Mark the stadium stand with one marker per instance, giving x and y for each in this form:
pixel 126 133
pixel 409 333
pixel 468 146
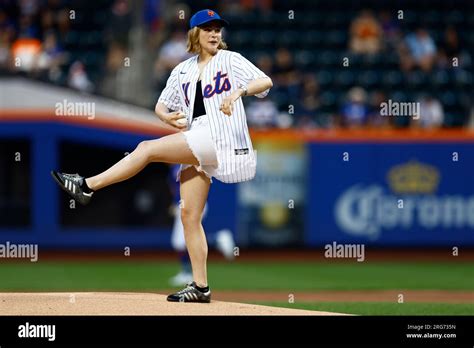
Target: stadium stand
pixel 318 35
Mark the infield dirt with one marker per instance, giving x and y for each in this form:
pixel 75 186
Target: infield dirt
pixel 111 303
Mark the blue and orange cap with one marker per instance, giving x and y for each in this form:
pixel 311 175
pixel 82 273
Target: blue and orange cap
pixel 206 16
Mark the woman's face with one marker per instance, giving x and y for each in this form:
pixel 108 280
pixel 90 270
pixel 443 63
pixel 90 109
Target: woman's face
pixel 210 37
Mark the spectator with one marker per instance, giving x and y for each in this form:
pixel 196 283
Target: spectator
pixel 262 113
pixel 114 64
pixel 451 48
pixel 78 78
pixel 55 5
pixel 7 26
pixel 365 34
pixel 431 113
pixel 471 117
pixel 27 28
pixel 47 21
pixel 4 51
pixel 390 29
pixel 418 50
pixel 265 63
pixel 171 54
pixel 309 103
pixel 120 22
pixel 63 24
pixel 231 6
pixel 375 119
pixel 7 34
pixel 355 112
pixel 261 6
pixel 152 15
pixel 285 76
pixel 28 7
pixel 51 58
pixel 115 58
pixel 25 52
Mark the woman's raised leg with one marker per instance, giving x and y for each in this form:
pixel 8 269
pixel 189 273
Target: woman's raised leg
pixel 169 149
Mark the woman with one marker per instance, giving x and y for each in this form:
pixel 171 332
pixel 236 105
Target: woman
pixel 207 88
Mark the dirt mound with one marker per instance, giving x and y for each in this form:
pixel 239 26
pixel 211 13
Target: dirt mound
pixel 112 303
pixel 434 296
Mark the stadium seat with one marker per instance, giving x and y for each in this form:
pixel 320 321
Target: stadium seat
pixel 392 78
pixel 345 78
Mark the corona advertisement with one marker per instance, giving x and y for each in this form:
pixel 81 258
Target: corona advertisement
pixel 410 195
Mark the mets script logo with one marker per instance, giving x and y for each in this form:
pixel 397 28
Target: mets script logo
pixel 221 84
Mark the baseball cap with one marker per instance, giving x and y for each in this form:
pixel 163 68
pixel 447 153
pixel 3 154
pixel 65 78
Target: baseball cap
pixel 205 16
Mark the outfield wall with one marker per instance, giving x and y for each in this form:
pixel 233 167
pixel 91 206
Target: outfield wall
pixel 384 188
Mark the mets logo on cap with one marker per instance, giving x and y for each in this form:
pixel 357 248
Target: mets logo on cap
pixel 205 16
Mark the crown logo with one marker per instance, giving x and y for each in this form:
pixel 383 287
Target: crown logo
pixel 413 177
pixel 210 13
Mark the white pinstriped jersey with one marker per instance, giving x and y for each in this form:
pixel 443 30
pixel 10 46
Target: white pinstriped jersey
pixel 225 72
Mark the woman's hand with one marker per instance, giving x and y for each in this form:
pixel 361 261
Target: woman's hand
pixel 227 105
pixel 172 119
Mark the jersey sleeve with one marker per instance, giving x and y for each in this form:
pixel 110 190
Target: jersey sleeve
pixel 170 95
pixel 245 71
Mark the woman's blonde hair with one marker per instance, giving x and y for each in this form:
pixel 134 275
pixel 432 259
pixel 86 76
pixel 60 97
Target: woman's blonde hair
pixel 193 45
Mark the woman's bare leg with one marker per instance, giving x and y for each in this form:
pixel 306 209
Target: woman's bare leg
pixel 194 190
pixel 169 149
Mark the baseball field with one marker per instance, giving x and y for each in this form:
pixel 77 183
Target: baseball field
pixel 386 283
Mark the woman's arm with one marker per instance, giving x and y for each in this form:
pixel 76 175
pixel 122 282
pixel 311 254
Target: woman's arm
pixel 254 87
pixel 170 118
pixel 161 110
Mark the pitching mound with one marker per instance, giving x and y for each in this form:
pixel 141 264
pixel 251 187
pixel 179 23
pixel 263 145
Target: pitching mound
pixel 112 303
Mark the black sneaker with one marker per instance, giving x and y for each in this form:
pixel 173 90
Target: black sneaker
pixel 190 294
pixel 72 184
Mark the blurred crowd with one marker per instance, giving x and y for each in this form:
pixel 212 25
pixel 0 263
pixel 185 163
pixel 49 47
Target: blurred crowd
pixel 369 34
pixel 33 36
pixel 417 51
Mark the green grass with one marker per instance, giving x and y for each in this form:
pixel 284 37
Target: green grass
pixel 381 308
pixel 153 275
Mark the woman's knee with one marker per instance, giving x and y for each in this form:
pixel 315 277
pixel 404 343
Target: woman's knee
pixel 144 149
pixel 190 216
